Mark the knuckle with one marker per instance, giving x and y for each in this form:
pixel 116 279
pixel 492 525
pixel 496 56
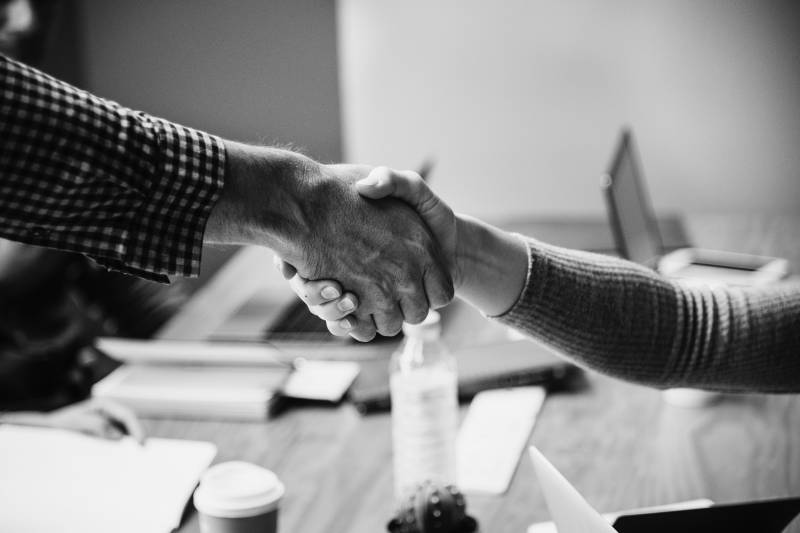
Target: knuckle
pixel 415 180
pixel 382 171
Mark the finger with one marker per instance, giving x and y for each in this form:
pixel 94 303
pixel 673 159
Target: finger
pixel 95 425
pixel 336 309
pixel 123 419
pixel 414 306
pixel 286 270
pixel 378 183
pixel 438 287
pixel 340 328
pixel 389 322
pixel 315 292
pixel 363 329
pixel 405 185
pixel 112 432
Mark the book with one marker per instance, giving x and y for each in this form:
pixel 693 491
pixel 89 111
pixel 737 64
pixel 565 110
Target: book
pixel 159 391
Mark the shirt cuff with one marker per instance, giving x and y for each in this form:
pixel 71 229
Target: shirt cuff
pixel 164 235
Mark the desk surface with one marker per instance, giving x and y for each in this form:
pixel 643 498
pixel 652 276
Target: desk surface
pixel 618 443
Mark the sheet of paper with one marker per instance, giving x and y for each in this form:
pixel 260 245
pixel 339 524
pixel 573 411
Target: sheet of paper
pixel 54 480
pixel 493 436
pixel 569 511
pixel 162 352
pixel 321 380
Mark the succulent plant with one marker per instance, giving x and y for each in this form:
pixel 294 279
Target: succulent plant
pixel 433 508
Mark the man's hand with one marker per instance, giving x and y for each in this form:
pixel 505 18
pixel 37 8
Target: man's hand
pixel 326 299
pixel 313 217
pixel 409 187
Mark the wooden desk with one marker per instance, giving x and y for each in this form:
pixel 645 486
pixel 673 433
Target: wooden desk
pixel 618 443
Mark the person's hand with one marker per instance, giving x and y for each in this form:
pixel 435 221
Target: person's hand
pixel 409 187
pixel 319 225
pixel 98 418
pixel 325 298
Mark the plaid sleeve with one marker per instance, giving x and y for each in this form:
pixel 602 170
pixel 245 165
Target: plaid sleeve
pixel 83 174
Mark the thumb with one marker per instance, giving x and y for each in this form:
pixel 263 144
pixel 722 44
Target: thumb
pixel 378 184
pixel 403 185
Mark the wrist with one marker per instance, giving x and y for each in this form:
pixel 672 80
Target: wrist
pixel 262 198
pixel 493 265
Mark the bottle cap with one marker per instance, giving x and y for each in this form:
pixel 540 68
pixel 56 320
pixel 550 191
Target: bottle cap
pixel 430 326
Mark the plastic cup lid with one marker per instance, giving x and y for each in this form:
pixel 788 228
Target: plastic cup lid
pixel 237 489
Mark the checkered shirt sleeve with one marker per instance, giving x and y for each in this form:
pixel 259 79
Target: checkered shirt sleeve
pixel 83 174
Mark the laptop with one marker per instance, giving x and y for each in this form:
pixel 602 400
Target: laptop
pixel 638 238
pixel 571 513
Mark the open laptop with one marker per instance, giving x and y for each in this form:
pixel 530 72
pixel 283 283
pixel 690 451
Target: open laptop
pixel 637 235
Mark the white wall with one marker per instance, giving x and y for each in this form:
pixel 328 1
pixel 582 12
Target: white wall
pixel 252 70
pixel 520 101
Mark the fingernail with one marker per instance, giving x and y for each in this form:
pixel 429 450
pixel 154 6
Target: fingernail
pixel 329 293
pixel 369 181
pixel 346 305
pixel 345 323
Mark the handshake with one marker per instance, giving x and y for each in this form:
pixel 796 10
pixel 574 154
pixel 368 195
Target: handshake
pixel 365 248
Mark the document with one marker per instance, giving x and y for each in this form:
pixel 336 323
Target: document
pixel 569 511
pixel 54 480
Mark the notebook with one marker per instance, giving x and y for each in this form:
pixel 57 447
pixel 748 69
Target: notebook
pixel 55 480
pixel 230 393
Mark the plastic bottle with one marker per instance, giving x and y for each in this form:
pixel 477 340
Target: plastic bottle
pixel 424 395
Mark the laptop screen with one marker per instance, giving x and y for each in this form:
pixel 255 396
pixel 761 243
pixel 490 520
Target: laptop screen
pixel 635 229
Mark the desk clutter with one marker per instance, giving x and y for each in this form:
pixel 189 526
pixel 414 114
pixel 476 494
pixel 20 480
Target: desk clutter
pixel 55 480
pixel 571 513
pixel 232 381
pixel 248 381
pixel 433 509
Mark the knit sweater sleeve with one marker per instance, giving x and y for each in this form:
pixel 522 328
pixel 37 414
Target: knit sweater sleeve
pixel 624 320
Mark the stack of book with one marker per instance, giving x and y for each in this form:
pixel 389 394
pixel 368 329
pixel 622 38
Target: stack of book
pixel 175 379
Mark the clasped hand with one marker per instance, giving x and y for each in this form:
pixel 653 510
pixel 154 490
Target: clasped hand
pixel 312 216
pixel 340 308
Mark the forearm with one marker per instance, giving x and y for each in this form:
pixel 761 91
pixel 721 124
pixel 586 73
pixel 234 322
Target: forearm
pixel 624 320
pixel 87 175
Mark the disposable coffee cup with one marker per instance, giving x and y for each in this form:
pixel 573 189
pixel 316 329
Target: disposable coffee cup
pixel 238 497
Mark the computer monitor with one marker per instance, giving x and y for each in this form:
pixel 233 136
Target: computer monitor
pixel 631 214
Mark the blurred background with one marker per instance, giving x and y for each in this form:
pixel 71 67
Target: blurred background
pixel 519 102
